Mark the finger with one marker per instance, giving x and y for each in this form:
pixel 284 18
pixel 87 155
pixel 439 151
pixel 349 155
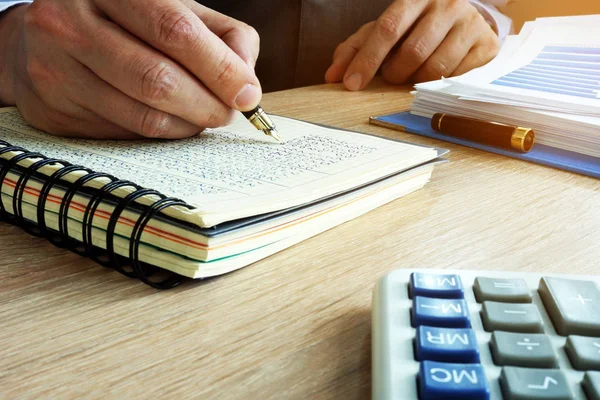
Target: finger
pixel 420 44
pixel 345 53
pixel 173 29
pixel 40 115
pixel 245 42
pixel 144 74
pixel 240 37
pixel 478 55
pixel 386 32
pixel 450 53
pixel 103 100
pixel 62 83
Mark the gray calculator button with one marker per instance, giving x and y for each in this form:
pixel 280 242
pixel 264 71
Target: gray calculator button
pixel 523 350
pixel 584 352
pixel 591 385
pixel 504 290
pixel 531 384
pixel 511 317
pixel 573 305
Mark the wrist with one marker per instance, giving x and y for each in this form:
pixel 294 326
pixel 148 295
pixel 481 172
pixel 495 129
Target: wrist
pixel 11 27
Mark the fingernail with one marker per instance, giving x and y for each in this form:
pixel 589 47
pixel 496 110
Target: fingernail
pixel 248 97
pixel 354 82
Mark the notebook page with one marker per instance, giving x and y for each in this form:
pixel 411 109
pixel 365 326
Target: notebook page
pixel 234 171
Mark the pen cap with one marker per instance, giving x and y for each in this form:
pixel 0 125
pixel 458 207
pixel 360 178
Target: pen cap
pixel 522 139
pixel 484 132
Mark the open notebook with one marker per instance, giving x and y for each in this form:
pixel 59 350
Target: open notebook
pixel 202 206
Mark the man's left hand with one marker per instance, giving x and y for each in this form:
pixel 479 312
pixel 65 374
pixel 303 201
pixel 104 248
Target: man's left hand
pixel 416 40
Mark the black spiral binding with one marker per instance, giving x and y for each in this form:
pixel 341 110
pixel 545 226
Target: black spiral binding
pixel 55 239
pixel 129 266
pixel 63 213
pixel 19 191
pixel 100 256
pixel 136 235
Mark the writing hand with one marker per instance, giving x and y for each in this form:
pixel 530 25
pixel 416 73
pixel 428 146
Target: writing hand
pixel 418 40
pixel 120 69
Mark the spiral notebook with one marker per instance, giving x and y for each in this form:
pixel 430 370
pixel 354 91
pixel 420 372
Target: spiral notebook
pixel 202 206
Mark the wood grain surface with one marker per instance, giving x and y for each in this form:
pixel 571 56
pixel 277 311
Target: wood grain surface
pixel 295 325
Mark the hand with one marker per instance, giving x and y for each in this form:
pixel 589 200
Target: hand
pixel 120 69
pixel 420 40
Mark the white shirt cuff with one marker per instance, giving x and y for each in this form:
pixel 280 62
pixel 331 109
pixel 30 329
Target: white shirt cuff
pixel 5 5
pixel 499 22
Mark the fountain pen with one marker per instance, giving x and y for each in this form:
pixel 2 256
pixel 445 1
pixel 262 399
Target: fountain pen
pixel 262 122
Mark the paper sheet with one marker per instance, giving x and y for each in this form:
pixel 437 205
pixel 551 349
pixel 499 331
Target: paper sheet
pixel 235 171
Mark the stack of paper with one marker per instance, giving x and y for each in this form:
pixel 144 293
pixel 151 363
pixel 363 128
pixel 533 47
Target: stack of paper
pixel 546 78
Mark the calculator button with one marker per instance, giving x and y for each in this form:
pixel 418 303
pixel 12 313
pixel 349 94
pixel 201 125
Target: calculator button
pixel 444 313
pixel 504 290
pixel 438 381
pixel 446 344
pixel 523 350
pixel 591 385
pixel 573 305
pixel 436 285
pixel 508 317
pixel 531 384
pixel 584 352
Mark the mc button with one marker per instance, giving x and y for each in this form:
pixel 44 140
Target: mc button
pixel 441 381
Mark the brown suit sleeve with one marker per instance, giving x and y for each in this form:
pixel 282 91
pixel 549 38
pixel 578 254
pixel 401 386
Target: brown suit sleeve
pixel 298 37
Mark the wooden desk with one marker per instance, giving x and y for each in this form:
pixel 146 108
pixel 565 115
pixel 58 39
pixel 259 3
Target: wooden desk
pixel 295 325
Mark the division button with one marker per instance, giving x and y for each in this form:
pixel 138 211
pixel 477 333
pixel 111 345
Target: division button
pixel 442 286
pixel 591 385
pixel 508 317
pixel 443 313
pixel 573 305
pixel 532 384
pixel 523 350
pixel 446 344
pixel 584 352
pixel 441 381
pixel 504 290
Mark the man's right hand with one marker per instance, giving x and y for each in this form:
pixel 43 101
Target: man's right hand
pixel 126 68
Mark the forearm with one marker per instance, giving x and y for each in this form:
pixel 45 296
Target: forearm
pixel 10 31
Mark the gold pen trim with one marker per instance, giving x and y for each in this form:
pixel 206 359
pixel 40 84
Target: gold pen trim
pixel 440 122
pixel 522 139
pixel 261 120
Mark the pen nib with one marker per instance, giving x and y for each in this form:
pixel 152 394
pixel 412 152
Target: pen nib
pixel 275 135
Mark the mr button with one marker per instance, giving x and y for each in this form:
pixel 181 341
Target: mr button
pixel 440 381
pixel 448 345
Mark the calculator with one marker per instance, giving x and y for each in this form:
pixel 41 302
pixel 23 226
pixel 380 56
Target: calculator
pixel 479 335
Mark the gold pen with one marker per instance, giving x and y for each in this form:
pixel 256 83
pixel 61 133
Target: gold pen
pixel 262 122
pixel 485 132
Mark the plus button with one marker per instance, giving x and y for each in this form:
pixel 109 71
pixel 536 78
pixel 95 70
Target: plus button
pixel 582 299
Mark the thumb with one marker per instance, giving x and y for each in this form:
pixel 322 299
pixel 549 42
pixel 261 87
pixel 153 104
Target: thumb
pixel 240 37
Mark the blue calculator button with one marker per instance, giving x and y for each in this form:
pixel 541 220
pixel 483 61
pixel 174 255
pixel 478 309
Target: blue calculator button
pixel 446 344
pixel 441 381
pixel 443 313
pixel 436 285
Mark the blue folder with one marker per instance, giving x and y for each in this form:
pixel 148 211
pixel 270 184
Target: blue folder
pixel 540 154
